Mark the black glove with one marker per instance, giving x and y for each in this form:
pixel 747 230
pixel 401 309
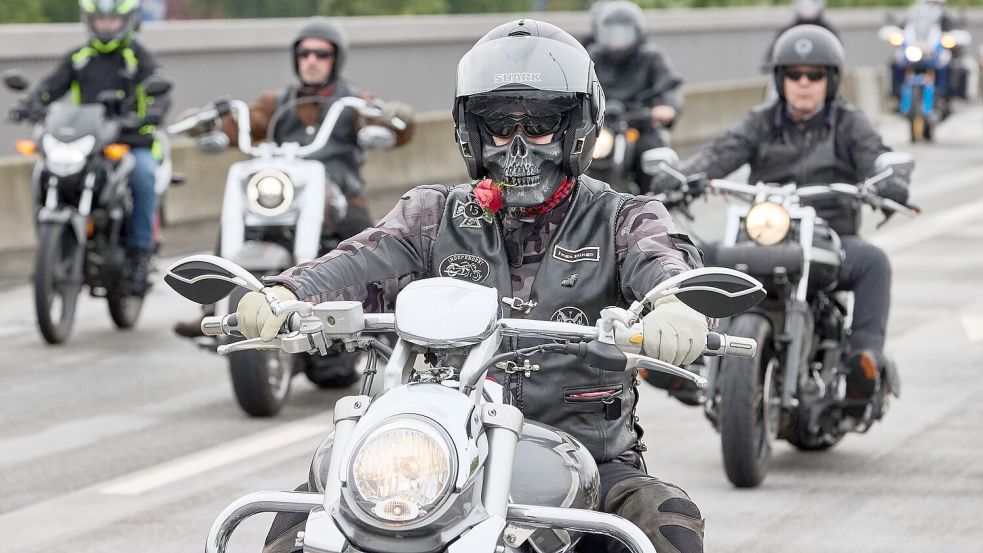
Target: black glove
pixel 663 182
pixel 20 111
pixel 893 189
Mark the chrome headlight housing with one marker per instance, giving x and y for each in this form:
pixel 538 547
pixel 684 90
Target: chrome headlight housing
pixel 270 193
pixel 604 144
pixel 66 158
pixel 913 54
pixel 767 223
pixel 402 471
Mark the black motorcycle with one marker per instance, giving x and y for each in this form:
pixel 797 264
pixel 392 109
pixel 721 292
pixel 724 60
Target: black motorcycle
pixel 794 388
pixel 82 206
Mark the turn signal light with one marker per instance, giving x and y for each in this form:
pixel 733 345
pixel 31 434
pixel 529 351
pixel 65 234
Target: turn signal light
pixel 115 152
pixel 896 39
pixel 26 147
pixel 948 41
pixel 632 135
pixel 637 339
pixel 90 227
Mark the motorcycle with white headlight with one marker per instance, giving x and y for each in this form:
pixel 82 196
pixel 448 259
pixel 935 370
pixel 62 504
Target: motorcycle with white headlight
pixel 924 55
pixel 794 388
pixel 83 204
pixel 441 460
pixel 614 150
pixel 280 210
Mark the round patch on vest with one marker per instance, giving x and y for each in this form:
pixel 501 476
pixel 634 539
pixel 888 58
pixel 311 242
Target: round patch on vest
pixel 465 267
pixel 570 315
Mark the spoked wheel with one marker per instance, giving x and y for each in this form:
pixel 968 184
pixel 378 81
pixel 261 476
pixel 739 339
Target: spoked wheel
pixel 56 291
pixel 750 405
pixel 261 380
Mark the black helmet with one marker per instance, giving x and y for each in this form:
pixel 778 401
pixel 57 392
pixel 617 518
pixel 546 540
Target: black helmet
pixel 127 10
pixel 325 29
pixel 619 27
pixel 536 75
pixel 808 45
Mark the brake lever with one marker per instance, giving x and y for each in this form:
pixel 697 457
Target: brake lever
pixel 636 361
pixel 251 344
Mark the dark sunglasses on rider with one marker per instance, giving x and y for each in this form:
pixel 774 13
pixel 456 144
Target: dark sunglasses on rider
pixel 504 124
pixel 319 54
pixel 814 76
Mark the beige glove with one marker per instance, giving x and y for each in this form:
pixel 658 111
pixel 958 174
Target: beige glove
pixel 674 332
pixel 256 318
pixel 398 109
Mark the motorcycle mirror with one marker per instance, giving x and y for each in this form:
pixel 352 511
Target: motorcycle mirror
pixel 376 137
pixel 213 142
pixel 961 36
pixel 15 79
pixel 654 160
pixel 714 291
pixel 887 31
pixel 206 279
pixel 155 85
pixel 900 163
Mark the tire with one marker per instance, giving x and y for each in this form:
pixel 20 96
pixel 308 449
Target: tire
pixel 917 118
pixel 55 297
pixel 124 309
pixel 744 435
pixel 261 380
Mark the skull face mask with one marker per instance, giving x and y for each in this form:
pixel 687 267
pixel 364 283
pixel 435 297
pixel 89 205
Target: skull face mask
pixel 528 173
pixel 523 142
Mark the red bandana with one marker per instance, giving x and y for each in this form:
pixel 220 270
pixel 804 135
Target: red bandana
pixel 561 193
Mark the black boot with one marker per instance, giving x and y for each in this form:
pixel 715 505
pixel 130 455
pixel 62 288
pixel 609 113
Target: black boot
pixel 138 271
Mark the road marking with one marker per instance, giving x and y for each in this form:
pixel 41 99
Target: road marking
pixel 926 227
pixel 973 325
pixel 194 464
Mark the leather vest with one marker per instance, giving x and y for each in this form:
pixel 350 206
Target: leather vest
pixel 806 154
pixel 342 157
pixel 594 406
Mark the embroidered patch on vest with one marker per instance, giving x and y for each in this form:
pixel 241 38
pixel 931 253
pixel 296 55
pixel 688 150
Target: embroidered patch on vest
pixel 471 213
pixel 570 315
pixel 590 253
pixel 465 267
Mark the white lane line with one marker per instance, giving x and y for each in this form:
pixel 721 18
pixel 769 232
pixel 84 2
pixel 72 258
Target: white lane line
pixel 973 325
pixel 925 227
pixel 197 463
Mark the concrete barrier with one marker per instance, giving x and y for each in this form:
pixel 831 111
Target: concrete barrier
pixel 431 157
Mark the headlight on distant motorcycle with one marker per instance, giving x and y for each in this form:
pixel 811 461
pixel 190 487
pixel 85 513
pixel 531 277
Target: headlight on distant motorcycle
pixel 767 223
pixel 896 39
pixel 604 144
pixel 270 193
pixel 66 159
pixel 402 471
pixel 913 54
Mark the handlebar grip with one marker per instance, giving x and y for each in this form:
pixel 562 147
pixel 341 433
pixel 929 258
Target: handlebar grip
pixel 733 346
pixel 219 326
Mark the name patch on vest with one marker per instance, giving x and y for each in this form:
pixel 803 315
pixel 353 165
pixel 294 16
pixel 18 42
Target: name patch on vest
pixel 465 267
pixel 590 253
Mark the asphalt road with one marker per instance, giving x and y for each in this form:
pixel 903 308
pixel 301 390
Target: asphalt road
pixel 131 441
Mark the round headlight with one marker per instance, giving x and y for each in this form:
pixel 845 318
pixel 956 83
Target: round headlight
pixel 913 54
pixel 402 471
pixel 767 223
pixel 604 144
pixel 270 193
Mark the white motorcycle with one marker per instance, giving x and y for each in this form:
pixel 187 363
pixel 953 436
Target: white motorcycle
pixel 273 218
pixel 435 463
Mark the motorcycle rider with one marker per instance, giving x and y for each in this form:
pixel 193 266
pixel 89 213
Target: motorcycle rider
pixel 558 245
pixel 951 80
pixel 809 136
pixel 113 59
pixel 318 55
pixel 637 73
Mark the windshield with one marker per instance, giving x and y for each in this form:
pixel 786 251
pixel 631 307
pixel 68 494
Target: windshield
pixel 68 123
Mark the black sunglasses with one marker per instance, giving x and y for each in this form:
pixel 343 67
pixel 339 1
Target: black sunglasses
pixel 504 124
pixel 319 54
pixel 814 76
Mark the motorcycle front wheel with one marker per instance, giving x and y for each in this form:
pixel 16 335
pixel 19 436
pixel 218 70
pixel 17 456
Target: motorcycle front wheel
pixel 749 404
pixel 261 380
pixel 56 290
